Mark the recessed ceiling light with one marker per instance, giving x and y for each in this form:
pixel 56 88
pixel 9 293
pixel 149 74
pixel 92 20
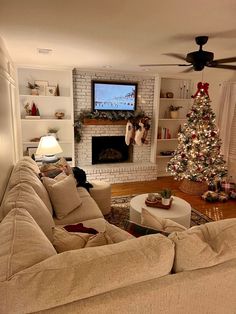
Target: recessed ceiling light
pixel 44 51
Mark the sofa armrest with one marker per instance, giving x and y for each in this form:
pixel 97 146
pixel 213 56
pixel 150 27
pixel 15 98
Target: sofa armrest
pixel 79 274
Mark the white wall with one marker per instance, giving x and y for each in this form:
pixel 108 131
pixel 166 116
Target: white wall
pixel 8 118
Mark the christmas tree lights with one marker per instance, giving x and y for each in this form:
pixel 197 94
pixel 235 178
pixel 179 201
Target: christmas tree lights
pixel 197 157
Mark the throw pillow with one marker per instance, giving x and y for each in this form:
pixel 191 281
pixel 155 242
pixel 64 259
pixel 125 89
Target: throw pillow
pixel 138 230
pixel 63 194
pixel 22 243
pixel 53 169
pixel 161 224
pixel 102 238
pixel 65 241
pixel 205 245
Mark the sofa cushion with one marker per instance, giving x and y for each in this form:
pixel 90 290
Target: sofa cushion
pixel 24 196
pixel 66 241
pixel 22 243
pixel 80 274
pixel 158 223
pixel 86 211
pixel 22 173
pixel 63 195
pixel 205 245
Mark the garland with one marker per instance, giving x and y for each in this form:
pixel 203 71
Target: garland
pixel 103 115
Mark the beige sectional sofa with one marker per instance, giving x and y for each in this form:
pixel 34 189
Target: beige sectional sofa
pixel 193 271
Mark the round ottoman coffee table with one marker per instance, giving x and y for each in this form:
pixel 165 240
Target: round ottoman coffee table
pixel 179 212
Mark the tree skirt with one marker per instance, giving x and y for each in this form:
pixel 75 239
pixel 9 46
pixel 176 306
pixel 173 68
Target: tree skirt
pixel 120 212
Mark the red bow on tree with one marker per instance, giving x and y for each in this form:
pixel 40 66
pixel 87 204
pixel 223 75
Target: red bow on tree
pixel 200 88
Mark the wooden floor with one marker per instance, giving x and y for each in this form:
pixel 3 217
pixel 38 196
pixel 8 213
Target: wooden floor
pixel 215 211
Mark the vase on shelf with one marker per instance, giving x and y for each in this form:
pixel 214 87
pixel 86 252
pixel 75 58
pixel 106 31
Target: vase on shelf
pixel 34 92
pixel 174 114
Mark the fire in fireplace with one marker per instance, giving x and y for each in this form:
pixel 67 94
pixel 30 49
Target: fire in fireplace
pixel 110 149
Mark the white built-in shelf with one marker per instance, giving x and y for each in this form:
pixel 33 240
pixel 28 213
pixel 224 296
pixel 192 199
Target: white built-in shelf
pixel 36 143
pixel 169 119
pixel 48 105
pixel 175 99
pixel 167 139
pixel 160 156
pixel 42 96
pixel 46 119
pixel 166 126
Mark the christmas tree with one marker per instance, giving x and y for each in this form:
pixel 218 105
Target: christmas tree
pixel 197 157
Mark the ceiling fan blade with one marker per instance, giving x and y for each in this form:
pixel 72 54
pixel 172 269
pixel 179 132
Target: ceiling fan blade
pixel 163 64
pixel 222 66
pixel 188 70
pixel 176 55
pixel 225 60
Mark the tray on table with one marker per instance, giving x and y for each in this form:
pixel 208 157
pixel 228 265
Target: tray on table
pixel 158 204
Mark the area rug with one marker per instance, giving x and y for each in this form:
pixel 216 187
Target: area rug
pixel 120 213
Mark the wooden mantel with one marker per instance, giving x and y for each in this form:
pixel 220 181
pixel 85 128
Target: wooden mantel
pixel 104 122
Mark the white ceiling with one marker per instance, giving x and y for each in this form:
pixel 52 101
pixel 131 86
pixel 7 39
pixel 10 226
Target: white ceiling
pixel 119 33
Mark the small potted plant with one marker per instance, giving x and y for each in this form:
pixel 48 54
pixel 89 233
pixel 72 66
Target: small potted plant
pixel 165 197
pixel 53 132
pixel 174 111
pixel 34 88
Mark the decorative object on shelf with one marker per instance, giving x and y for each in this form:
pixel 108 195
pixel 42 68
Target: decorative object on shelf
pixel 167 153
pixel 197 159
pixel 48 147
pixel 51 91
pixel 166 197
pixel 57 92
pixel 163 133
pixel 59 114
pixel 53 132
pixel 31 111
pixel 34 88
pixel 132 116
pixel 184 89
pixel 174 111
pixel 169 95
pixel 31 151
pixel 35 139
pixel 42 87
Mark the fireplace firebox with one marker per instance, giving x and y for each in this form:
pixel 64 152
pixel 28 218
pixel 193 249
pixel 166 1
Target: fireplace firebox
pixel 110 149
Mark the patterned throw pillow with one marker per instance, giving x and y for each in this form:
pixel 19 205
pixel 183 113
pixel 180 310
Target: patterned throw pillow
pixel 51 170
pixel 138 230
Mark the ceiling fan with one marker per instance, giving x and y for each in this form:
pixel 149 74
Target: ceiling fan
pixel 197 60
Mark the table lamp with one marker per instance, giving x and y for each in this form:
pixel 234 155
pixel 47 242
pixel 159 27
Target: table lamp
pixel 48 147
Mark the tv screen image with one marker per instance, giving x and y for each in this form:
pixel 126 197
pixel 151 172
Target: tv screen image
pixel 114 96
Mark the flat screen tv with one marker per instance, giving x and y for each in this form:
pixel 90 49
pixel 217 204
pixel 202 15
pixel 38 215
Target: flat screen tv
pixel 114 96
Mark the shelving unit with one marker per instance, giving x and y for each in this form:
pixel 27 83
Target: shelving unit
pixel 168 128
pixel 32 128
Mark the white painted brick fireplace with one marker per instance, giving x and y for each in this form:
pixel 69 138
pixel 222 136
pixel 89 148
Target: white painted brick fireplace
pixel 141 169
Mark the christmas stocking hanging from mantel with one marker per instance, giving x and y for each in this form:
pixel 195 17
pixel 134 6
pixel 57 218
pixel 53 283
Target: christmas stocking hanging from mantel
pixel 129 134
pixel 142 131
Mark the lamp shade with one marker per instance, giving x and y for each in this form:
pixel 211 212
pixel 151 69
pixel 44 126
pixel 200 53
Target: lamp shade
pixel 48 145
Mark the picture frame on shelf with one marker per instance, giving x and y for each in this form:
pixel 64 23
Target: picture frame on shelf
pixel 31 150
pixel 42 87
pixel 51 90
